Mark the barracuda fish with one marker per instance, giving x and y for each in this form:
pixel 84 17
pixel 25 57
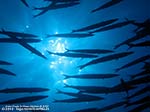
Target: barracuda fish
pixel 72 35
pixel 91 89
pixel 80 99
pixel 141 91
pixel 106 5
pixel 134 62
pixel 91 76
pixel 9 40
pixel 140 107
pixel 24 99
pixel 74 55
pixel 142 73
pixel 113 26
pixel 25 3
pixel 139 35
pixel 23 90
pixel 77 95
pixel 53 6
pixel 91 51
pixel 97 25
pixel 142 80
pixel 105 59
pixel 101 90
pixel 112 106
pixel 141 44
pixel 17 34
pixel 140 101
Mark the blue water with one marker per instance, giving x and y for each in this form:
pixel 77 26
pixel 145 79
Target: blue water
pixel 34 71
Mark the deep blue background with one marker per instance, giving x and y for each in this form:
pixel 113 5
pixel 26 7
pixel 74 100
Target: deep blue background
pixel 33 71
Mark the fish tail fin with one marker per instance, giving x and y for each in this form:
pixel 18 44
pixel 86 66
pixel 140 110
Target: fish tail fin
pixel 55 101
pixel 48 35
pixel 58 91
pixel 73 31
pixel 80 92
pixel 67 50
pixel 49 52
pixel 130 45
pixel 34 16
pixel 34 8
pixel 93 10
pixel 81 66
pixel 66 76
pixel 66 85
pixel 131 21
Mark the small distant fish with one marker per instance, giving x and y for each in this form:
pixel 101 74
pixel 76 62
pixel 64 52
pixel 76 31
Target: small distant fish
pixel 91 76
pixel 91 89
pixel 97 25
pixel 106 58
pixel 134 62
pixel 6 72
pixel 54 6
pixel 9 40
pixel 94 51
pixel 106 5
pixel 23 90
pixel 140 92
pixel 123 86
pixel 77 95
pixel 142 73
pixel 142 80
pixel 140 101
pixel 24 99
pixel 17 34
pixel 25 3
pixel 113 26
pixel 145 24
pixel 140 108
pixel 139 35
pixel 112 106
pixel 141 44
pixel 72 35
pixel 5 63
pixel 80 99
pixel 74 55
pixel 101 90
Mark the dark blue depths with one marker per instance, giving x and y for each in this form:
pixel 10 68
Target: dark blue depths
pixel 46 61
